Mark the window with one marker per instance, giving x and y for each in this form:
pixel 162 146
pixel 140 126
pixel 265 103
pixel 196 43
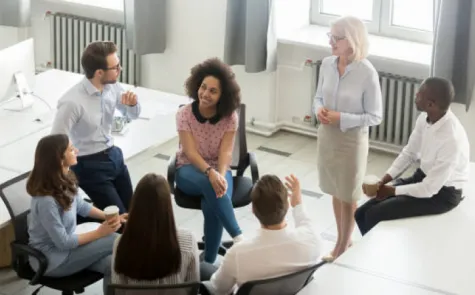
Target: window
pixel 402 19
pixel 108 4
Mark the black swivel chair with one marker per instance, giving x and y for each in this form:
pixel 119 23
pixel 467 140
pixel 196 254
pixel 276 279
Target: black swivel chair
pixel 289 284
pixel 242 159
pixel 178 289
pixel 17 201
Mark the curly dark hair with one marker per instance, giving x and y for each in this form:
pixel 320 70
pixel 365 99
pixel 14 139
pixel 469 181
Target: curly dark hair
pixel 230 91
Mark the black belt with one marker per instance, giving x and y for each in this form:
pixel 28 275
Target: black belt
pixel 98 155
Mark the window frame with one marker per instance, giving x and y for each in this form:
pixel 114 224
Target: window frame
pixel 97 4
pixel 380 25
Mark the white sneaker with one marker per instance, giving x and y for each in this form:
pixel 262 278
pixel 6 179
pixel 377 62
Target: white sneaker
pixel 238 239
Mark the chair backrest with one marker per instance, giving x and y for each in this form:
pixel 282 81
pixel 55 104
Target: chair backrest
pixel 289 284
pixel 17 200
pixel 240 142
pixel 178 289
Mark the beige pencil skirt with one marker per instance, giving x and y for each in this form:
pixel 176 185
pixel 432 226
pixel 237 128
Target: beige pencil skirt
pixel 342 158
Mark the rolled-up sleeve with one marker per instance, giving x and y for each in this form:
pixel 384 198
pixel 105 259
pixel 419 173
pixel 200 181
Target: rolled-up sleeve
pixel 131 112
pixel 83 207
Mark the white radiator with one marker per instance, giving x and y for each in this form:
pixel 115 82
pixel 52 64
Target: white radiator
pixel 71 34
pixel 399 111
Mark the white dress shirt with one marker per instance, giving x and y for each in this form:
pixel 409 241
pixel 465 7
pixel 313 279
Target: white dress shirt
pixel 271 253
pixel 356 94
pixel 444 153
pixel 86 115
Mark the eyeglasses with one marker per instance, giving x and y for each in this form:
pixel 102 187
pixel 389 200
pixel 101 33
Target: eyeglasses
pixel 116 67
pixel 334 38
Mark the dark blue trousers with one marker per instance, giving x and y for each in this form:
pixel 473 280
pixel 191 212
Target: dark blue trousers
pixel 104 177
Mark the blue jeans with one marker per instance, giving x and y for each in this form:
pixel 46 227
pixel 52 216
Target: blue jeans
pixel 104 177
pixel 217 212
pixel 95 256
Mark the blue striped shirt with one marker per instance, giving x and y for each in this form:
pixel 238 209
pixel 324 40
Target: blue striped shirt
pixel 356 94
pixel 86 115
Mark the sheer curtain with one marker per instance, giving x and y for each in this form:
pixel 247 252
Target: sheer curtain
pixel 146 25
pixel 15 13
pixel 250 36
pixel 453 54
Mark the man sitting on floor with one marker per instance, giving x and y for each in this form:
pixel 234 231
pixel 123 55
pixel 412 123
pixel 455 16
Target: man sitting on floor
pixel 277 249
pixel 440 143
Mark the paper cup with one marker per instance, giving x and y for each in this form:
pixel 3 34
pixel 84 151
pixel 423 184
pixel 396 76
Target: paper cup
pixel 111 212
pixel 371 185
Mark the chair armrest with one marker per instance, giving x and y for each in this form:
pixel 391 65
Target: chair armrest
pixel 254 169
pixel 171 173
pixel 20 254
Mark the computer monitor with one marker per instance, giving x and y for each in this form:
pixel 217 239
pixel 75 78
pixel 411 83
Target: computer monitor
pixel 17 76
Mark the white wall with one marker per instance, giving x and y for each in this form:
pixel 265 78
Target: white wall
pixel 11 35
pixel 196 32
pixel 294 87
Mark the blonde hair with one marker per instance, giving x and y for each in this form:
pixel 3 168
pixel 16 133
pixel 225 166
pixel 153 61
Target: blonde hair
pixel 355 32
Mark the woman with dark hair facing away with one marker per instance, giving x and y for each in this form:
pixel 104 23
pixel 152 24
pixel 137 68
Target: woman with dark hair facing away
pixel 55 202
pixel 151 250
pixel 206 129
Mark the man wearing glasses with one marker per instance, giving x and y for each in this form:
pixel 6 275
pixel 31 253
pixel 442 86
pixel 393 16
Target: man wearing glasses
pixel 86 114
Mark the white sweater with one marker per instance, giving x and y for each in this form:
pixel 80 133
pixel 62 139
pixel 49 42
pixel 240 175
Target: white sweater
pixel 271 253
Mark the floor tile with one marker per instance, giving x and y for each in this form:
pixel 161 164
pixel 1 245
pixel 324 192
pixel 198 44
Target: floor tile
pixel 299 159
pixel 286 142
pixel 10 283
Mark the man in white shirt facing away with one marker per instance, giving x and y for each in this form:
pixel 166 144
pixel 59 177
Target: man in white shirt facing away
pixel 440 143
pixel 86 114
pixel 277 249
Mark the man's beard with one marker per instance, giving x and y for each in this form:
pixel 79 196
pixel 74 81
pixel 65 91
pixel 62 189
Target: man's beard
pixel 110 81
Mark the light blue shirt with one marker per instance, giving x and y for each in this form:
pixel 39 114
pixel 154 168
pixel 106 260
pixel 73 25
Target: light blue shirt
pixel 51 229
pixel 86 115
pixel 356 94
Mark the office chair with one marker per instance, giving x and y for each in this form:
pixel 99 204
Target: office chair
pixel 17 201
pixel 178 289
pixel 289 284
pixel 242 159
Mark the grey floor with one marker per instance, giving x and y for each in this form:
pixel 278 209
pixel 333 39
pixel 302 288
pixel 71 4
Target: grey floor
pixel 280 154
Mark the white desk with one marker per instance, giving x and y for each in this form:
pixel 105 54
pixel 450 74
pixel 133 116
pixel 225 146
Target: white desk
pixel 5 175
pixel 433 251
pixel 336 280
pixel 51 85
pixel 20 132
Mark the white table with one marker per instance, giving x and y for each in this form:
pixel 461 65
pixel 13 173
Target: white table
pixel 331 279
pixel 21 133
pixel 5 175
pixel 433 251
pixel 50 86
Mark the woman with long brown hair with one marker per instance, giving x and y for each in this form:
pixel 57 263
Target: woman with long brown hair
pixel 55 202
pixel 151 250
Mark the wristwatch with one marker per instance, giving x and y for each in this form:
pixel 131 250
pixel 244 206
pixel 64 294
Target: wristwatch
pixel 208 170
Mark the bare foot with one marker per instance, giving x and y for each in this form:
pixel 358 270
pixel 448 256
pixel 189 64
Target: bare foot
pixel 340 250
pixel 336 252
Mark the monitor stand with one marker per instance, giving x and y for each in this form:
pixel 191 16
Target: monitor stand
pixel 23 100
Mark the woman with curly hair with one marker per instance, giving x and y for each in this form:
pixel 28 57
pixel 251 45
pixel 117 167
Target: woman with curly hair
pixel 206 130
pixel 55 202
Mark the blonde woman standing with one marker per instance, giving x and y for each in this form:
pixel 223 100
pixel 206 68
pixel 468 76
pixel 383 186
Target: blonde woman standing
pixel 347 101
